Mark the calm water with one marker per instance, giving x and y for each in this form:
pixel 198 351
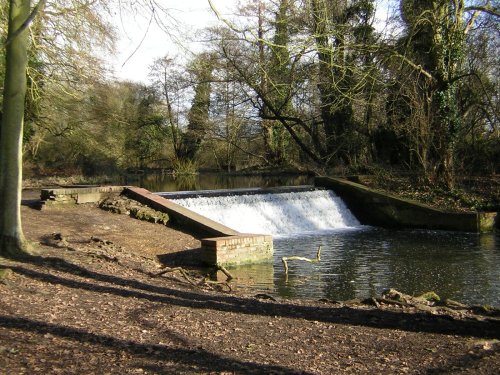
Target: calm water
pixel 158 182
pixel 362 262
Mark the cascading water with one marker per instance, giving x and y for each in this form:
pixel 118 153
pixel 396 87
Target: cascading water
pixel 281 214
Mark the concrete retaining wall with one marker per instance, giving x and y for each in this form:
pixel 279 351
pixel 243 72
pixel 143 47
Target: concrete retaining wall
pixel 233 192
pixel 373 207
pixel 179 215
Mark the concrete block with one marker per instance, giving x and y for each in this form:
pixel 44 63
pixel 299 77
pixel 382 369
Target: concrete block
pixel 92 197
pixel 79 194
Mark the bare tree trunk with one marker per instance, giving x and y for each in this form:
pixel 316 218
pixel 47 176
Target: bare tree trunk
pixel 12 241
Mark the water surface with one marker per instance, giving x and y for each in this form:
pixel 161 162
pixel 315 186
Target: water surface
pixel 212 181
pixel 363 262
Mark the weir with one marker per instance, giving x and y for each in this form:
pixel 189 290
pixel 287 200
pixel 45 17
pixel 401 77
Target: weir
pixel 277 212
pixel 236 226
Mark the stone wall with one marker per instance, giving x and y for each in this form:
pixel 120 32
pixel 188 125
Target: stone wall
pixel 239 249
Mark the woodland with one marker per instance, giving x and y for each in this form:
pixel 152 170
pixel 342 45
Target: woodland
pixel 316 86
pixel 313 85
pixel 307 83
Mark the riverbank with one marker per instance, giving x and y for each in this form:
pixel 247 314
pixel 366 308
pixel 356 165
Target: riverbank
pixel 91 303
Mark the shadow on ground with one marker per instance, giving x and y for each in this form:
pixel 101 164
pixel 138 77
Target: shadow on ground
pixel 186 358
pixel 414 322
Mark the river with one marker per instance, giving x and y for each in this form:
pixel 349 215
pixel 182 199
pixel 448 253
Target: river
pixel 363 261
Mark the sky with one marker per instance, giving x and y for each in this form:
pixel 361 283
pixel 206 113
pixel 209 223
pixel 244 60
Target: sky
pixel 141 42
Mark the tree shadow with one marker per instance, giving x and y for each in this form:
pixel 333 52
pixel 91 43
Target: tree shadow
pixel 467 361
pixel 35 204
pixel 182 357
pixel 375 318
pixel 184 258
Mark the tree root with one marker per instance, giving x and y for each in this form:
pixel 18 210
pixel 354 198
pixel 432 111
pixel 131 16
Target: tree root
pixel 203 282
pixel 225 272
pixel 15 248
pixel 5 273
pixel 181 270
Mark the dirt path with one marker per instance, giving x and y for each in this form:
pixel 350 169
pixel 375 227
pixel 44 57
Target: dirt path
pixel 92 306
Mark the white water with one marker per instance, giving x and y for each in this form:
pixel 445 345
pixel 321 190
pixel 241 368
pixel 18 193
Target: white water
pixel 282 214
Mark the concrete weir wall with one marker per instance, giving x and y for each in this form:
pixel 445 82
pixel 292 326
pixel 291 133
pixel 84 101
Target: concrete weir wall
pixel 373 207
pixel 179 215
pixel 228 248
pixel 232 192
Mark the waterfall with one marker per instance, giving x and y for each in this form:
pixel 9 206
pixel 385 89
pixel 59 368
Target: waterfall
pixel 281 214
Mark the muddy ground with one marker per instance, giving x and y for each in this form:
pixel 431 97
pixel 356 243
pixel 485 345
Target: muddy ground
pixel 92 302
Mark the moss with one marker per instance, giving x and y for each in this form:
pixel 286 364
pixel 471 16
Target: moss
pixel 150 215
pixel 430 296
pixel 487 308
pixel 5 273
pixel 15 248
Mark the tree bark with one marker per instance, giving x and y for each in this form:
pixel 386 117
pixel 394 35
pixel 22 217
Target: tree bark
pixel 12 240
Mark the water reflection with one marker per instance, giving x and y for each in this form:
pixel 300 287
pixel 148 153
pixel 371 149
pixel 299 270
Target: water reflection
pixel 252 276
pixel 208 181
pixel 361 263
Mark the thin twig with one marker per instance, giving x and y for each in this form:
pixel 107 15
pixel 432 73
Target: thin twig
pixel 209 283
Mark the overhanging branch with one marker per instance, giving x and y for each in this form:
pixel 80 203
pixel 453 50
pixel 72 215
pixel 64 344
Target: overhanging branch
pixel 484 9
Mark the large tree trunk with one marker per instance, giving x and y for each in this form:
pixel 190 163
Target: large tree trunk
pixel 12 241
